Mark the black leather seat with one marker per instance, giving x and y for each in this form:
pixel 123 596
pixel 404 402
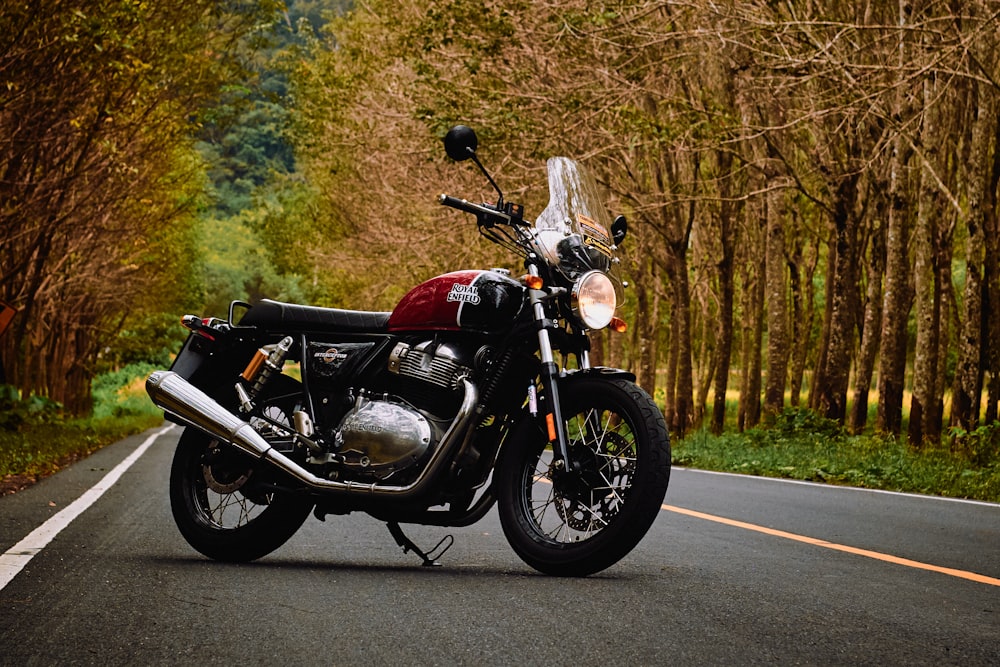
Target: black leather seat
pixel 295 317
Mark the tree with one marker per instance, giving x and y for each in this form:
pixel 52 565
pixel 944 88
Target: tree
pixel 98 181
pixel 774 159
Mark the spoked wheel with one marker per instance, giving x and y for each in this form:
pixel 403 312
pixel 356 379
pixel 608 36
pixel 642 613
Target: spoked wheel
pixel 581 520
pixel 221 508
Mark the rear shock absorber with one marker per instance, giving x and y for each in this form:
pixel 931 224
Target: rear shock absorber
pixel 267 361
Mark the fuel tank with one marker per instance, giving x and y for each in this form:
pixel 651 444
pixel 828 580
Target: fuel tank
pixel 483 301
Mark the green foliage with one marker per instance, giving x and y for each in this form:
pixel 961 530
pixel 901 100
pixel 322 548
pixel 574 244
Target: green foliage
pixel 808 447
pixel 980 446
pixel 16 413
pixel 36 439
pixel 148 337
pixel 121 393
pixel 44 448
pixel 236 266
pixel 246 154
pixel 796 424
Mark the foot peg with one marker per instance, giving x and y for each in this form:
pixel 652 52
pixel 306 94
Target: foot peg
pixel 430 557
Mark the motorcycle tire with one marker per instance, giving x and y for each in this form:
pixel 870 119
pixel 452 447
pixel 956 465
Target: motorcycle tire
pixel 218 507
pixel 581 522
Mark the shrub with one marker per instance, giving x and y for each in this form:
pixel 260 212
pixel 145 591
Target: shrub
pixel 16 412
pixel 121 393
pixel 981 446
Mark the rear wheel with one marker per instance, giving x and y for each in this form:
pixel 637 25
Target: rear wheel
pixel 580 521
pixel 221 506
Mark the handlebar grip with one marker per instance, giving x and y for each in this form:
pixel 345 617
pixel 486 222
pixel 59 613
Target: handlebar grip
pixel 485 213
pixel 460 204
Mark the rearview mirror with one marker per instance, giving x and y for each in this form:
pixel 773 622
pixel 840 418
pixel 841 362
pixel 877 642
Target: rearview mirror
pixel 619 228
pixel 461 143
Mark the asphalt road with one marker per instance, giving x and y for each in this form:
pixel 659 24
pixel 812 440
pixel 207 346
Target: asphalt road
pixel 736 570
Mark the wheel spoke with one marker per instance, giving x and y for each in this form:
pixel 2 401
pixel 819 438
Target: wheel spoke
pixel 610 441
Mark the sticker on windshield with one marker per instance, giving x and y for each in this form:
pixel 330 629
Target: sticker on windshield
pixel 593 229
pixel 601 247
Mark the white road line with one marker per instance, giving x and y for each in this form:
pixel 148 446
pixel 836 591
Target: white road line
pixel 837 487
pixel 15 558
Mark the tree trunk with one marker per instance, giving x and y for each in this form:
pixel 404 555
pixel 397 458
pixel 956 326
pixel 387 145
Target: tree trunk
pixel 728 225
pixel 869 332
pixel 725 343
pixel 777 302
pixel 649 356
pixel 968 386
pixel 833 375
pixel 749 409
pixel 683 404
pixel 896 301
pixel 801 273
pixel 928 306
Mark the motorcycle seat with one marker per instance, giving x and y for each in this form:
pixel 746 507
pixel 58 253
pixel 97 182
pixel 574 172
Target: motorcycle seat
pixel 292 316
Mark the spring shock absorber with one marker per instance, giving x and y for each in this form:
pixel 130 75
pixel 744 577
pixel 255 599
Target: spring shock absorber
pixel 267 361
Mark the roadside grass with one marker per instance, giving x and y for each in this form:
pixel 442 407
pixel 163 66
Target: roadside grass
pixel 37 441
pixel 801 445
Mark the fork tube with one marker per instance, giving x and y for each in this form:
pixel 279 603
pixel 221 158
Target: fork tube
pixel 550 374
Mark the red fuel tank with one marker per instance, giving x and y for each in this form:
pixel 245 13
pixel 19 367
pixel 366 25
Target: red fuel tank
pixel 484 301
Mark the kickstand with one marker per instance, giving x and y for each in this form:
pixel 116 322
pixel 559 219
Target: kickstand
pixel 430 558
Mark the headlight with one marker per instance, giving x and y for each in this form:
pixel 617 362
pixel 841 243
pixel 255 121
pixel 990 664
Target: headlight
pixel 594 300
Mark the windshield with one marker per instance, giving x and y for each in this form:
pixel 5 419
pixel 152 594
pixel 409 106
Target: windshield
pixel 573 232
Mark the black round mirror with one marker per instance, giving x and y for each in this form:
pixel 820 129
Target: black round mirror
pixel 461 143
pixel 618 229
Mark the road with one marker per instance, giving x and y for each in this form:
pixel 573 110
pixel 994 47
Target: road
pixel 736 570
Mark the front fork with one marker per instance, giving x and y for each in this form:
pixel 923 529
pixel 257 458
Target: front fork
pixel 556 426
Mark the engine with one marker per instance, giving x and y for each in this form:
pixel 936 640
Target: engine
pixel 384 434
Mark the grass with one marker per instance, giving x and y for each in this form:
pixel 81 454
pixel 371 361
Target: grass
pixel 801 445
pixel 41 450
pixel 37 441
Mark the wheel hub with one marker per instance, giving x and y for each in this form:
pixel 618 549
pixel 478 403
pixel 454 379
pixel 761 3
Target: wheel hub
pixel 222 475
pixel 588 492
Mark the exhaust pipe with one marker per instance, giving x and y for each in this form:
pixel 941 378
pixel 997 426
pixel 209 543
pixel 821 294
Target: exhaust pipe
pixel 175 395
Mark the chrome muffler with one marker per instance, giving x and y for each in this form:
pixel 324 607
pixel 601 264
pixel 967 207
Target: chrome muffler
pixel 178 397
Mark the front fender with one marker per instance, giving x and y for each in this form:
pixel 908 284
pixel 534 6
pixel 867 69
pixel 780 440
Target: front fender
pixel 603 372
pixel 525 423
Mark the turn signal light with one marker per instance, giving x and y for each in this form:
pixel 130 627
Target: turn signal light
pixel 619 325
pixel 533 282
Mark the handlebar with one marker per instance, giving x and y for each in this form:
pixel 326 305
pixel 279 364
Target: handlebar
pixel 484 212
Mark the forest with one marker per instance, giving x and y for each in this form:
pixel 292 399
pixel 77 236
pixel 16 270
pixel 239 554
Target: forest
pixel 811 187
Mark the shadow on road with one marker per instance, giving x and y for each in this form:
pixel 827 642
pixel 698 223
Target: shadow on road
pixel 452 570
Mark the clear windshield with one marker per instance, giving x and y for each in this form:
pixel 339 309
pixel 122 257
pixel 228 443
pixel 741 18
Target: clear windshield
pixel 573 232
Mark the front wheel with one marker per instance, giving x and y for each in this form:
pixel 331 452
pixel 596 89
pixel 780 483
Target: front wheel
pixel 579 521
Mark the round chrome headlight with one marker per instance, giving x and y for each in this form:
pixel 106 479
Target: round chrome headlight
pixel 594 300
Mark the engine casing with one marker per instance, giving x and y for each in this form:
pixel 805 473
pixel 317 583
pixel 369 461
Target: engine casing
pixel 380 437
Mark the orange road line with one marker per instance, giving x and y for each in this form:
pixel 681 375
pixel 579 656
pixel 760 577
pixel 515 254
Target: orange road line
pixel 962 574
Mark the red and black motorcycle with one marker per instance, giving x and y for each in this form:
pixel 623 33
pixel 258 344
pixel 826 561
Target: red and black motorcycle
pixel 433 412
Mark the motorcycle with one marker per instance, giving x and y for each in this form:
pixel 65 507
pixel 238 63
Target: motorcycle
pixel 432 413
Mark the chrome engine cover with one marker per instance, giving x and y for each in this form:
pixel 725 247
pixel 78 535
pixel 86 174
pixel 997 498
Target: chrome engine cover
pixel 381 437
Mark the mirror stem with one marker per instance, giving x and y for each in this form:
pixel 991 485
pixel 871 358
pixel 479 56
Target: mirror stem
pixel 489 178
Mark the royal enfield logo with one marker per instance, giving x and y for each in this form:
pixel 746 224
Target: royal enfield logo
pixel 464 294
pixel 330 356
